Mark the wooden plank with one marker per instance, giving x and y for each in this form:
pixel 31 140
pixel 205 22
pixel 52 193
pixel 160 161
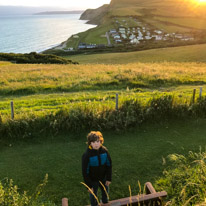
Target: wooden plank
pixel 149 188
pixel 135 200
pixel 151 198
pixel 64 202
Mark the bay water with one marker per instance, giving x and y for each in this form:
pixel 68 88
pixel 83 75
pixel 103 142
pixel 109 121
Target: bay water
pixel 35 33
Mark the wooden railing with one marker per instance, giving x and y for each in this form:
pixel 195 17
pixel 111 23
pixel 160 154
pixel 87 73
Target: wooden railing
pixel 151 198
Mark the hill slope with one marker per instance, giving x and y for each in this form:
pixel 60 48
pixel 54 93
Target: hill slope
pixel 194 53
pixel 151 8
pixel 139 23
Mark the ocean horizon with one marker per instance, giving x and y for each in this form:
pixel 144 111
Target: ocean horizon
pixel 36 33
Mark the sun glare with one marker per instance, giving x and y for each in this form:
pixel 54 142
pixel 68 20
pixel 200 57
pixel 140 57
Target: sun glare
pixel 200 1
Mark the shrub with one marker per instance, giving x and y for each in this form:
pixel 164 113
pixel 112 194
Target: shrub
pixel 185 179
pixel 34 58
pixel 199 109
pixel 132 113
pixel 10 195
pixel 160 108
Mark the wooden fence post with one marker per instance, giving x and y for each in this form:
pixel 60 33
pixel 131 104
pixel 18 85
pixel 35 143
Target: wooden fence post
pixel 117 101
pixel 64 202
pixel 12 110
pixel 193 97
pixel 200 93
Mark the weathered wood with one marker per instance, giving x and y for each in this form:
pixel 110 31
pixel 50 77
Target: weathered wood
pixel 149 188
pixel 200 96
pixel 151 198
pixel 117 101
pixel 64 202
pixel 12 110
pixel 145 199
pixel 193 96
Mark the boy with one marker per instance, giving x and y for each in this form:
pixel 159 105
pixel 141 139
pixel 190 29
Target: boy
pixel 96 166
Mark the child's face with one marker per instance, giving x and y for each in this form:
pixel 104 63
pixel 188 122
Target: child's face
pixel 96 144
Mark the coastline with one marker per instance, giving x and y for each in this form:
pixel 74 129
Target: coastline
pixel 51 47
pixel 62 45
pixel 29 38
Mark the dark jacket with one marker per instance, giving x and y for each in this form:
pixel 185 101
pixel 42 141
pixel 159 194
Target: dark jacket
pixel 96 166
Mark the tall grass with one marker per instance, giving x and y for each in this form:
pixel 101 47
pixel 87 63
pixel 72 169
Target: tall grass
pixel 185 179
pixel 11 196
pixel 33 79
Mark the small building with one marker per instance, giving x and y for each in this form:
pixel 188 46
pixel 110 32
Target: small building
pixel 82 46
pixel 179 36
pixel 117 37
pixel 91 46
pixel 124 36
pixel 148 37
pixel 115 34
pixel 134 41
pixel 188 39
pixel 122 30
pixel 158 37
pixel 140 38
pixel 118 40
pixel 158 31
pixel 75 36
pixel 112 31
pixel 132 36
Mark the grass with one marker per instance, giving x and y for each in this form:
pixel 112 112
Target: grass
pixel 194 23
pixel 92 36
pixel 137 155
pixel 40 89
pixel 194 53
pixel 42 104
pixel 165 26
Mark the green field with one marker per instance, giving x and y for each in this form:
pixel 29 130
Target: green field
pixel 137 153
pixel 137 156
pixel 194 53
pixel 39 89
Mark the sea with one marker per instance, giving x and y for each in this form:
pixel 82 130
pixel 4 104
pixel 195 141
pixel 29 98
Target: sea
pixel 36 33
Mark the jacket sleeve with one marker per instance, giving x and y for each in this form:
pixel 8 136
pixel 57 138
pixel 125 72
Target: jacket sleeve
pixel 85 170
pixel 108 168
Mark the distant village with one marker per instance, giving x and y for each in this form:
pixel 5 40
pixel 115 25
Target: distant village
pixel 135 35
pixel 124 35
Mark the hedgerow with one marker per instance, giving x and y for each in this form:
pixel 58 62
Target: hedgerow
pixel 34 58
pixel 82 117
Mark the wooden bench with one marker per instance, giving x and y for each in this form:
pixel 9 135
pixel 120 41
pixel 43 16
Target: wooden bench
pixel 151 198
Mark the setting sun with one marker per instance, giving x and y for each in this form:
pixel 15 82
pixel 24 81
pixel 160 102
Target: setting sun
pixel 200 1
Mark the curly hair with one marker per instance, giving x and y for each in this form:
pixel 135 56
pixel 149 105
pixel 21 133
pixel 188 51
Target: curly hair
pixel 94 136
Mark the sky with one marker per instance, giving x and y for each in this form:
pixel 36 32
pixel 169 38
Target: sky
pixel 64 4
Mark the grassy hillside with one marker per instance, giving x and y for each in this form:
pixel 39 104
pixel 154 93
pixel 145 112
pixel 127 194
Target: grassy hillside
pixel 20 79
pixel 175 8
pixel 194 53
pixel 177 16
pixel 38 90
